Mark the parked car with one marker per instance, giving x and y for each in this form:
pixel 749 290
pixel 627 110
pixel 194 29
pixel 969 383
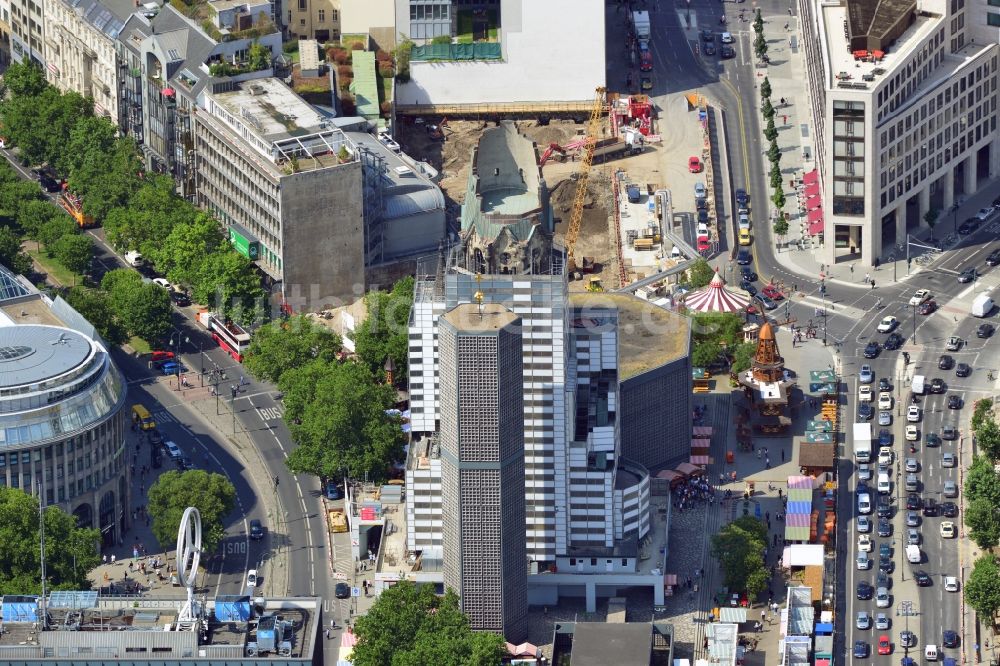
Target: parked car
pixel 694 165
pixel 963 370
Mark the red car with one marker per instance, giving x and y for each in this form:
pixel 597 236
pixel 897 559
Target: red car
pixel 694 165
pixel 703 243
pixel 161 355
pixel 884 646
pixel 927 307
pixel 772 292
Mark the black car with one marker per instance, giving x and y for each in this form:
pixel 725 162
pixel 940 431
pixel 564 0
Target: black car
pixel 948 509
pixel 913 502
pixel 865 411
pixel 256 529
pixel 922 579
pixel 180 298
pixel 749 288
pixel 884 508
pixel 884 437
pixel 884 385
pixel 742 198
pixel 886 564
pixel 748 274
pixel 946 362
pixel 701 204
pixel 949 432
pixel 937 385
pixel 931 439
pixel 184 463
pixel 342 591
pixel 985 330
pixel 744 258
pixel 709 49
pixel 882 579
pixel 968 226
pixel 950 638
pixel 968 275
pixel 727 51
pixel 954 402
pixel 930 508
pixel 963 370
pixel 893 342
pixel 993 259
pixel 872 350
pixel 865 590
pixel 884 527
pixel 703 216
pixel 707 36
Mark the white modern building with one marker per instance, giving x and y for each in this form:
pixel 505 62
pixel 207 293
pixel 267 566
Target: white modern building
pixel 904 105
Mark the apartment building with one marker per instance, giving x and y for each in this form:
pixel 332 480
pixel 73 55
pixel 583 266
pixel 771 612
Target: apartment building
pixel 313 19
pixel 482 443
pixel 5 30
pixel 80 48
pixel 903 97
pixel 27 25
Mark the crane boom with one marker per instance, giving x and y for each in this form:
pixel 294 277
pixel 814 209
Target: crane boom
pixel 573 231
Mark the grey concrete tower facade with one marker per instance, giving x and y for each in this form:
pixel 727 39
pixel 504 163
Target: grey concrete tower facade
pixel 482 465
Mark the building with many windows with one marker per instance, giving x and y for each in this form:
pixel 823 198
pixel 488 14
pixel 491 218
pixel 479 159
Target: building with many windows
pixel 313 19
pixel 903 96
pixel 27 25
pixel 62 410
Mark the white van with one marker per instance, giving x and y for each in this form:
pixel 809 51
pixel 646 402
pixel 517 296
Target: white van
pixel 134 259
pixel 884 486
pixel 982 306
pixel 913 554
pixel 918 384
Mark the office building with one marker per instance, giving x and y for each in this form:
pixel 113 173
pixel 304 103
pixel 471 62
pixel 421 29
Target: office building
pixel 903 98
pixel 62 410
pixel 27 25
pixel 482 470
pixel 80 51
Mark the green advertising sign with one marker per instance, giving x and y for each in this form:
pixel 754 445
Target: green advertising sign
pixel 248 248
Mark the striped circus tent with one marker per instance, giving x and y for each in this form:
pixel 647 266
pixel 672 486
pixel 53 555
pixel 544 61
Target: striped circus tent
pixel 716 298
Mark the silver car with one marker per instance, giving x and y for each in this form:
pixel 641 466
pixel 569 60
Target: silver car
pixel 912 465
pixel 864 524
pixel 885 418
pixel 864 620
pixel 881 598
pixel 864 472
pixel 947 460
pixel 950 489
pixel 882 622
pixel 912 518
pixel 913 536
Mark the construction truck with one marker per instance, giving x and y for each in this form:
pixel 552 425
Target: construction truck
pixel 73 205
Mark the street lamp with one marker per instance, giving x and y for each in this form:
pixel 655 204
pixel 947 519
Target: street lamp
pixel 822 291
pixel 914 323
pixel 201 357
pixel 232 404
pixel 177 354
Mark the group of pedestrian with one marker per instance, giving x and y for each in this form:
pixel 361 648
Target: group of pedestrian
pixel 696 489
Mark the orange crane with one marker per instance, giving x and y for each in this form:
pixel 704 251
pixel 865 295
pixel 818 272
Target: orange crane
pixel 573 231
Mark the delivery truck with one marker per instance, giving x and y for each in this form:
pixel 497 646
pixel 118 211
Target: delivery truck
pixel 982 305
pixel 863 442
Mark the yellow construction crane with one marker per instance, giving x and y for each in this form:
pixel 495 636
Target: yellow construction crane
pixel 581 181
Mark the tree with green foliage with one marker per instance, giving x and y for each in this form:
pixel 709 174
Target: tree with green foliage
pixel 173 492
pixel 742 355
pixel 699 274
pixel 90 136
pixel 54 229
pixel 40 125
pixel 739 548
pixel 259 57
pixel 760 46
pixel 14 196
pixel 34 215
pixel 983 521
pixel 152 212
pixel 343 425
pixel 384 333
pixel 780 226
pixel 770 131
pixel 143 308
pixel 758 22
pixel 931 218
pixel 778 198
pixel 774 153
pixel 982 589
pixel 982 482
pixel 70 551
pixel 981 411
pixel 11 255
pixel 23 79
pixel 107 180
pixel 74 251
pixel 988 438
pixel 95 306
pixel 411 626
pixel 767 109
pixel 724 327
pixel 775 177
pixel 181 254
pixel 705 353
pixel 765 88
pixel 291 343
pixel 228 282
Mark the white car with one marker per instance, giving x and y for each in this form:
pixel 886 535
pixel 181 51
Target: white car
pixel 920 296
pixel 948 530
pixel 885 400
pixel 912 433
pixel 887 324
pixel 864 544
pixel 885 456
pixel 726 38
pixel 950 584
pixel 984 213
pixel 163 282
pixel 883 485
pixel 865 393
pixel 912 413
pixel 930 652
pixel 252 579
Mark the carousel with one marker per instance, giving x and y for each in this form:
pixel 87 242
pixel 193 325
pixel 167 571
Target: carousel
pixel 766 385
pixel 717 298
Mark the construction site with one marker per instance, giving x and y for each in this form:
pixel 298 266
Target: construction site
pixel 619 238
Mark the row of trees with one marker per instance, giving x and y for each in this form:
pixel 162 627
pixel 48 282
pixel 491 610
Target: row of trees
pixel 774 157
pixel 337 409
pixel 982 512
pixel 139 211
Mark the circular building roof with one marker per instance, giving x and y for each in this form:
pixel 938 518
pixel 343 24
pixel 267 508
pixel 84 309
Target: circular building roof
pixel 716 298
pixel 34 354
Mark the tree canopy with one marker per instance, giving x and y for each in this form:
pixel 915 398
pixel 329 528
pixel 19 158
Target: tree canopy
pixel 983 520
pixel 142 308
pixel 988 438
pixel 289 344
pixel 212 494
pixel 70 551
pixel 739 548
pixel 384 333
pixel 411 626
pixel 699 274
pixel 337 416
pixel 982 589
pixel 982 482
pixel 11 255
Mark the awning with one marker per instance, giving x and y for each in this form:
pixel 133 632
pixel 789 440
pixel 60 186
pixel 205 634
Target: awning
pixel 824 628
pixel 811 190
pixel 701 460
pixel 702 430
pixel 810 177
pixel 700 443
pixel 814 201
pixel 732 615
pixel 669 579
pixel 815 221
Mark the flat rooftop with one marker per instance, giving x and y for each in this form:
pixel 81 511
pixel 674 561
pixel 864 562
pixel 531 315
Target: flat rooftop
pixel 639 220
pixel 648 336
pixel 485 318
pixel 29 310
pixel 32 354
pixel 846 73
pixel 599 644
pixel 271 109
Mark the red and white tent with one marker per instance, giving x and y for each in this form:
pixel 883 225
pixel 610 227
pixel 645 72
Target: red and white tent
pixel 716 298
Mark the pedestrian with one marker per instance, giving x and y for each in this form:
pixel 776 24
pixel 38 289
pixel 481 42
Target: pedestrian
pixel 763 614
pixel 767 462
pixel 782 455
pixel 767 516
pixel 113 558
pixel 868 277
pixel 873 285
pixel 104 559
pixel 779 493
pixel 784 119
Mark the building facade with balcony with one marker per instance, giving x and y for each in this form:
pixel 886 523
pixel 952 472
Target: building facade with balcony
pixel 27 30
pixel 904 103
pixel 313 19
pixel 80 48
